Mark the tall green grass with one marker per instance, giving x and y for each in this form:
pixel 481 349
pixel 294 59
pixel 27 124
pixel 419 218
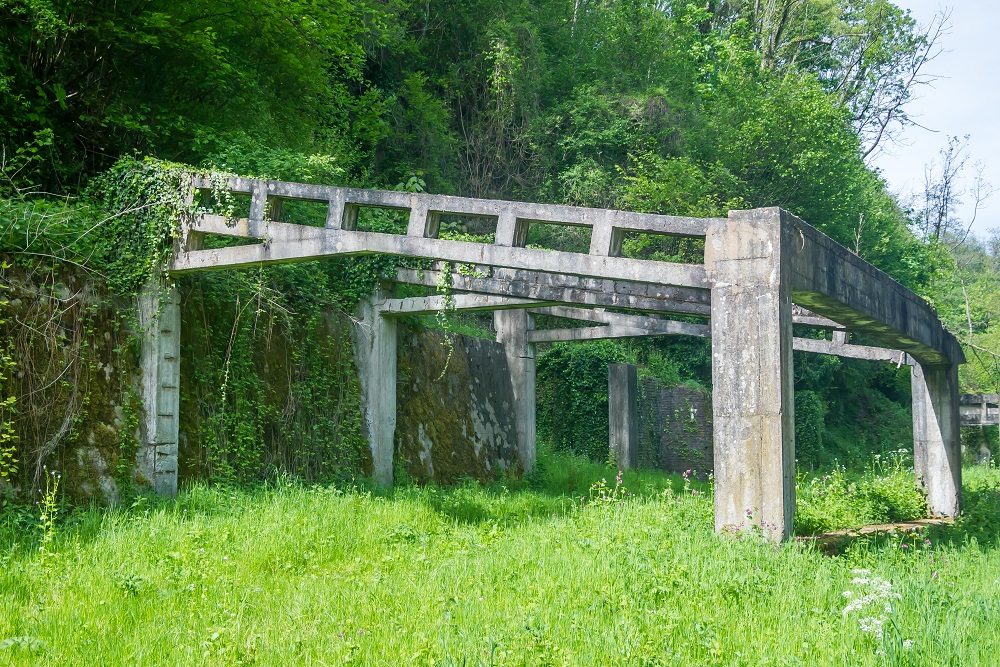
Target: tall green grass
pixel 561 569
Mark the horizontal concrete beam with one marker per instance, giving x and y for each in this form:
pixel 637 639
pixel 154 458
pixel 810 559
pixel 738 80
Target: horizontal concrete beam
pixel 830 280
pixel 466 302
pixel 557 288
pixel 979 399
pixel 344 198
pixel 669 328
pixel 285 243
pixel 576 291
pixel 621 325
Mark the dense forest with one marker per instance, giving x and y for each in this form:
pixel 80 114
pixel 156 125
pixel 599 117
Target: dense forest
pixel 664 106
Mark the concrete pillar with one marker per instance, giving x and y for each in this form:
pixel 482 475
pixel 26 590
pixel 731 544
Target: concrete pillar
pixel 937 456
pixel 160 327
pixel 623 415
pixel 512 328
pixel 752 400
pixel 375 354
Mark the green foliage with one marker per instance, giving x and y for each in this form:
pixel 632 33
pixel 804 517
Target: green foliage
pixel 642 581
pixel 810 411
pixel 572 379
pixel 887 491
pixel 8 401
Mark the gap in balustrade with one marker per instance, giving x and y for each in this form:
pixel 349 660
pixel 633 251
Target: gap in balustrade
pixel 663 247
pixel 382 220
pixel 307 212
pixel 553 236
pixel 232 205
pixel 214 241
pixel 476 228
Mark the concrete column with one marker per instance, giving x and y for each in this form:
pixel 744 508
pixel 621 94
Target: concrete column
pixel 752 400
pixel 623 415
pixel 375 354
pixel 512 328
pixel 160 327
pixel 936 443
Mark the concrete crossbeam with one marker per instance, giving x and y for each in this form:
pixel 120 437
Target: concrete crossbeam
pixel 287 243
pixel 576 291
pixel 487 208
pixel 465 302
pixel 832 281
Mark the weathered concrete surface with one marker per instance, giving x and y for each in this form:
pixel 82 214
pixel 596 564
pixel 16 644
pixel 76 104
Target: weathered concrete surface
pixel 576 291
pixel 623 416
pixel 455 408
pixel 468 302
pixel 832 281
pixel 566 289
pixel 752 401
pixel 375 352
pixel 979 409
pixel 512 327
pixel 159 322
pixel 289 243
pixel 936 437
pixel 417 203
pixel 756 262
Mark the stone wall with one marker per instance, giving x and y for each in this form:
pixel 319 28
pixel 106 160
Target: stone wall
pixel 454 408
pixel 675 428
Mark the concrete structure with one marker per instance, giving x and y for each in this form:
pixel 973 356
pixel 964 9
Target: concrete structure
pixel 623 415
pixel 669 428
pixel 160 325
pixel 979 409
pixel 757 263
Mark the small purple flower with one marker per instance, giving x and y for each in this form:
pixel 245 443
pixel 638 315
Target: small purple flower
pixel 904 545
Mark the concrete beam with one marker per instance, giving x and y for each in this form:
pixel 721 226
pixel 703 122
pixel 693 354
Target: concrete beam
pixel 513 327
pixel 588 292
pixel 466 206
pixel 937 454
pixel 623 415
pixel 375 354
pixel 622 325
pixel 606 332
pixel 467 302
pixel 832 281
pixel 288 243
pixel 160 329
pixel 566 289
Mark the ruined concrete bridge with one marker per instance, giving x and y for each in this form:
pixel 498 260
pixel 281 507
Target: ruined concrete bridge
pixel 763 271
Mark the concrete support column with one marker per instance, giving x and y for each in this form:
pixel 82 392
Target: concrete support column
pixel 937 456
pixel 375 353
pixel 512 328
pixel 623 415
pixel 160 327
pixel 752 400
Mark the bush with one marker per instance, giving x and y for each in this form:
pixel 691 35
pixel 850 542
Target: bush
pixel 885 492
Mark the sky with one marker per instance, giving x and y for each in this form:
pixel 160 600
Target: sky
pixel 964 99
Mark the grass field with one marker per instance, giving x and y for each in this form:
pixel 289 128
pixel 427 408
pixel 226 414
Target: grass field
pixel 555 571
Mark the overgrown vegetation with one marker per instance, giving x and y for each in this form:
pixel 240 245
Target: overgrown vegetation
pixel 670 107
pixel 568 568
